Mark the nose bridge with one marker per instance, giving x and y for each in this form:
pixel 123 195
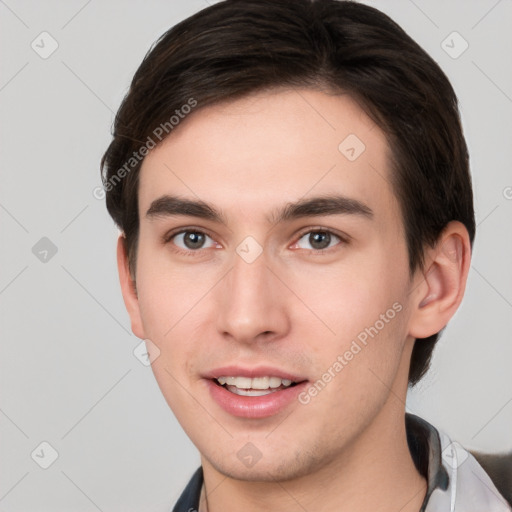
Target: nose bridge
pixel 250 303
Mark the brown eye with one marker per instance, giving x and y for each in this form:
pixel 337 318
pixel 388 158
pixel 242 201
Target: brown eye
pixel 318 240
pixel 191 240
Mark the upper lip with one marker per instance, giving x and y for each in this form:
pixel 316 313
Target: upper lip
pixel 256 371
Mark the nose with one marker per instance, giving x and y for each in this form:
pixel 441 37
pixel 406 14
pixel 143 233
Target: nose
pixel 252 303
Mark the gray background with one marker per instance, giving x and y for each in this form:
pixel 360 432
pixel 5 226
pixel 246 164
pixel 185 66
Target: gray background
pixel 68 373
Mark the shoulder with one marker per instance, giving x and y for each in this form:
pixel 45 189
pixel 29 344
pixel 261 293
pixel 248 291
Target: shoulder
pixel 470 487
pixel 189 499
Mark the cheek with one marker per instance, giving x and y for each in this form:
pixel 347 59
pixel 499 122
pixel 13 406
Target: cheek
pixel 167 293
pixel 170 302
pixel 175 305
pixel 363 306
pixel 348 298
pixel 355 373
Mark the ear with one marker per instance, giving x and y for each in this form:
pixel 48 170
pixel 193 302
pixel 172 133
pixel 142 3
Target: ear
pixel 128 289
pixel 439 287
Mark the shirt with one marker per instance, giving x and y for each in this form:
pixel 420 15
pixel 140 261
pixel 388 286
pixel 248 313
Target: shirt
pixel 455 480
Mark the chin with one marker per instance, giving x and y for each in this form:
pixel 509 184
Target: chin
pixel 279 469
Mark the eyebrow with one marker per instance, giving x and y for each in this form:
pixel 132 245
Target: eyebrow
pixel 168 205
pixel 323 205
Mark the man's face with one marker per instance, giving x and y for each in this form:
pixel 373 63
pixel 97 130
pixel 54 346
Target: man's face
pixel 318 295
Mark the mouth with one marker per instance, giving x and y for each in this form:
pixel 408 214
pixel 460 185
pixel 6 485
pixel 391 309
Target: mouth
pixel 257 386
pixel 254 393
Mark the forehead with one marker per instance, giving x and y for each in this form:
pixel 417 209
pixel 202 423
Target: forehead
pixel 269 148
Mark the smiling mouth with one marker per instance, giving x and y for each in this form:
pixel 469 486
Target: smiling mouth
pixel 258 386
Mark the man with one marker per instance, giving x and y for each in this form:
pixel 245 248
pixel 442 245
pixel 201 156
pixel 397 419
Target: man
pixel 293 190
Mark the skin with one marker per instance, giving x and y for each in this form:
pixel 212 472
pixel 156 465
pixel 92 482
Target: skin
pixel 294 307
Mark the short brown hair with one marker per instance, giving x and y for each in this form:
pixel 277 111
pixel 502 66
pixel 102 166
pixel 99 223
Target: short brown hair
pixel 237 47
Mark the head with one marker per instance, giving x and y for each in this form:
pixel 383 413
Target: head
pixel 271 120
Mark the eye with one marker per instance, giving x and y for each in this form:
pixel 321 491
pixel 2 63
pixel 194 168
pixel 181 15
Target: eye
pixel 318 240
pixel 192 240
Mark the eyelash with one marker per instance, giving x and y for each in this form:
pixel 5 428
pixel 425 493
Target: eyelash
pixel 167 238
pixel 343 239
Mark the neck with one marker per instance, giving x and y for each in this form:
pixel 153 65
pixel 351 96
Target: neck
pixel 375 473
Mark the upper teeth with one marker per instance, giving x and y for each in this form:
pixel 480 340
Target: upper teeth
pixel 256 383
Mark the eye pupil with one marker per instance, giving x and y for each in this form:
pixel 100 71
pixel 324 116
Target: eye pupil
pixel 320 239
pixel 193 240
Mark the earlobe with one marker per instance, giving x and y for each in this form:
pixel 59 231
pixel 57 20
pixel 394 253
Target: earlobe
pixel 128 289
pixel 442 286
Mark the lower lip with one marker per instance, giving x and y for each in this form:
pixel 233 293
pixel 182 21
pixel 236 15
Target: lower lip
pixel 254 406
